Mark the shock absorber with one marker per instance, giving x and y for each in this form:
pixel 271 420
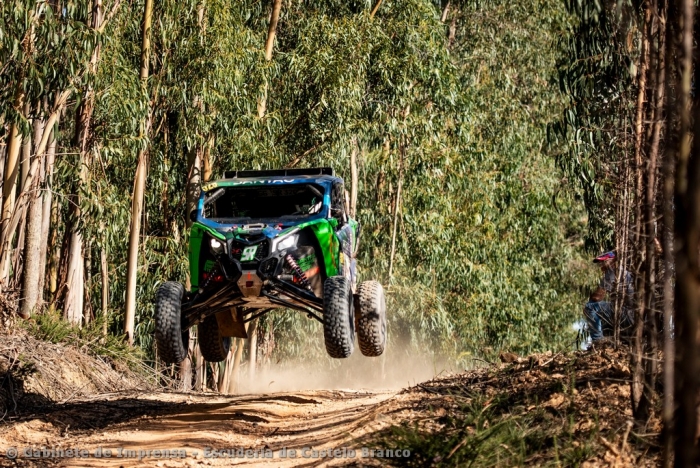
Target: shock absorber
pixel 298 271
pixel 210 276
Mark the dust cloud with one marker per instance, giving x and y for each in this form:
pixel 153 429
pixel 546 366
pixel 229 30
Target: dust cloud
pixel 398 368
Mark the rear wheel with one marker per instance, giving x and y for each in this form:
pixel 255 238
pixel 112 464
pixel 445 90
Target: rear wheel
pixel 214 347
pixel 171 341
pixel 371 320
pixel 338 317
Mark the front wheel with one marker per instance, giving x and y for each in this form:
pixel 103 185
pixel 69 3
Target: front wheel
pixel 371 320
pixel 338 317
pixel 171 341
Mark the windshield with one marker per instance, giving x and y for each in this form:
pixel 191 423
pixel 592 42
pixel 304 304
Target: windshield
pixel 236 204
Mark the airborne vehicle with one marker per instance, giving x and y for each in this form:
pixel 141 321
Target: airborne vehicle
pixel 264 240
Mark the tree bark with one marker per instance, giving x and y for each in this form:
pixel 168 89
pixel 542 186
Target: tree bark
pixel 252 349
pixel 46 216
pixel 74 302
pixel 25 160
pixel 186 369
pixel 272 29
pixel 139 187
pixel 397 209
pixel 19 254
pixel 55 254
pixel 73 305
pixel 667 439
pixel 8 198
pixel 375 9
pixel 18 210
pixel 32 263
pixel 687 221
pixel 192 195
pixel 235 376
pixel 269 46
pixel 353 179
pixel 206 162
pixel 445 10
pixel 194 171
pixel 200 379
pixel 104 270
pixel 639 403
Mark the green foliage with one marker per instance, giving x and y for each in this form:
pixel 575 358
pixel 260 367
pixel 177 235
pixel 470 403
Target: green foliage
pixel 595 132
pixel 487 248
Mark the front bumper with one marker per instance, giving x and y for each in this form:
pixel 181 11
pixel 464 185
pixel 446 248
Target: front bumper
pixel 253 285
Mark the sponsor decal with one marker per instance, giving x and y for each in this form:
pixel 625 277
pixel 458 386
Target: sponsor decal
pixel 248 254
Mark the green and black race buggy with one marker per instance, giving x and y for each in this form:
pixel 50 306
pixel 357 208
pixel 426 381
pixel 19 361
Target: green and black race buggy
pixel 262 240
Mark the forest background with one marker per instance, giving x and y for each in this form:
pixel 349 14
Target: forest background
pixel 448 108
pixel 498 146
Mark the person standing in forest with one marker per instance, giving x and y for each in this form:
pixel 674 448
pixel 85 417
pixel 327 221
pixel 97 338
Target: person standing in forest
pixel 598 312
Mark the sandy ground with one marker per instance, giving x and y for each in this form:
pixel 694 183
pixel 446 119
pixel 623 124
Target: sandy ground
pixel 206 430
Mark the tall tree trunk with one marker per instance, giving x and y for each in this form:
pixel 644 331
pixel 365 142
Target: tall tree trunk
pixel 104 271
pixel 445 11
pixel 375 9
pixel 32 264
pixel 54 254
pixel 73 302
pixel 639 405
pixel 224 376
pixel 200 380
pixel 269 45
pixel 9 184
pixel 272 28
pixel 194 171
pixel 139 186
pixel 235 376
pixel 18 210
pixel 397 209
pixel 186 369
pixel 75 291
pixel 687 219
pixel 353 179
pixel 25 161
pixel 206 161
pixel 252 349
pixel 46 216
pixel 667 439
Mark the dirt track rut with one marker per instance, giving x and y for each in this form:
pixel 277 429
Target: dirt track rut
pixel 309 422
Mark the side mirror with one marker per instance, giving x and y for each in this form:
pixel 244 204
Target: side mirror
pixel 193 215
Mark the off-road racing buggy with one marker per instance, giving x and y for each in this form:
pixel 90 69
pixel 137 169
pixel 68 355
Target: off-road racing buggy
pixel 262 240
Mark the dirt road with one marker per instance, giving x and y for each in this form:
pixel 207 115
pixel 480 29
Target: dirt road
pixel 206 430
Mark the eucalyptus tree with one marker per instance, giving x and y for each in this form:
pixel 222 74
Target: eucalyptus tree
pixel 45 50
pixel 443 111
pixel 139 181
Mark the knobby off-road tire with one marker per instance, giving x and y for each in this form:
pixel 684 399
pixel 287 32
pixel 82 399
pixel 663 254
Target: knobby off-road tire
pixel 214 347
pixel 371 318
pixel 171 341
pixel 338 317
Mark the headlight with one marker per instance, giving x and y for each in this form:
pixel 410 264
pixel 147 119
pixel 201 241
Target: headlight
pixel 285 242
pixel 217 248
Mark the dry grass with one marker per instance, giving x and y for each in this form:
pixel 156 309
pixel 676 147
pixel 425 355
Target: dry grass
pixel 546 410
pixel 36 372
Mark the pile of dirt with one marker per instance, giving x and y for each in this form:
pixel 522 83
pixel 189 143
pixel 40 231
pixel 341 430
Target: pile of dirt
pixel 35 373
pixel 569 409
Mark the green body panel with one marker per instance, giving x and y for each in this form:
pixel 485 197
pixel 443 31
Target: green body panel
pixel 323 229
pixel 325 234
pixel 196 235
